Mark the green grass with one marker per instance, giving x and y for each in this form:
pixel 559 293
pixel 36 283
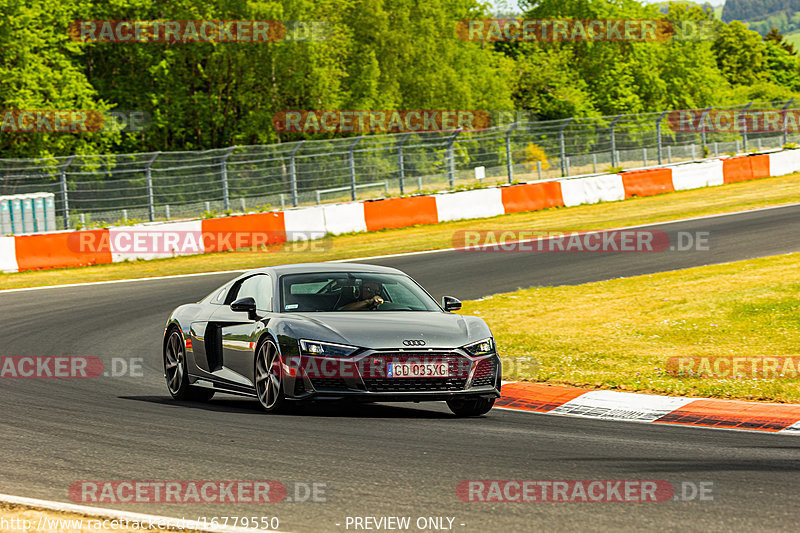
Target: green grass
pixel 661 208
pixel 619 334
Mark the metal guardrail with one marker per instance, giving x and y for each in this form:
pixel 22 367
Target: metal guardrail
pixel 320 192
pixel 159 185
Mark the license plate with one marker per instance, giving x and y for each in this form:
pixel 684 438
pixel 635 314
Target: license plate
pixel 418 370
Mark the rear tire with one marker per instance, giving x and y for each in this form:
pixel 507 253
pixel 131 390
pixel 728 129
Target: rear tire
pixel 175 371
pixel 465 407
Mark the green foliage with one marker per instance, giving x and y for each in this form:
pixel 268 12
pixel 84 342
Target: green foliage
pixel 740 54
pixel 373 54
pixel 41 69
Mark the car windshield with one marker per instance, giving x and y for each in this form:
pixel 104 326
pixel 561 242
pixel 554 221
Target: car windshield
pixel 341 291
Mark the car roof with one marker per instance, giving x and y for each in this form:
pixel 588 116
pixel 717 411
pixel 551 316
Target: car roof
pixel 310 268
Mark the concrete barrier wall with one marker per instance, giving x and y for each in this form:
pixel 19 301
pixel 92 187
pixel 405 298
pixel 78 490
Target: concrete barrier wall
pixel 79 248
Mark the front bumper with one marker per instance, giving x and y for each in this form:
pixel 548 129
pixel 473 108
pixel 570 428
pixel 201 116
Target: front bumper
pixel 364 378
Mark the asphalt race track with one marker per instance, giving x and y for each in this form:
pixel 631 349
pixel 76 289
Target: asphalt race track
pixel 377 460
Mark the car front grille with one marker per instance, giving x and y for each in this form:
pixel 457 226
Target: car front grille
pixel 485 373
pixel 375 372
pixel 329 384
pixel 415 384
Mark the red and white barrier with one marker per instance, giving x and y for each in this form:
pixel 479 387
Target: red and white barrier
pixel 784 162
pixel 304 223
pixel 89 247
pixel 8 255
pixel 344 218
pixel 591 190
pixel 156 241
pixel 697 175
pixel 480 203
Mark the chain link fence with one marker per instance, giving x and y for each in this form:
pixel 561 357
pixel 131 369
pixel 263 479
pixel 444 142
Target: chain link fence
pixel 94 190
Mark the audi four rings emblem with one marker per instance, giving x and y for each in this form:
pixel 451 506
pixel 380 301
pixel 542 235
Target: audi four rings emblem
pixel 414 342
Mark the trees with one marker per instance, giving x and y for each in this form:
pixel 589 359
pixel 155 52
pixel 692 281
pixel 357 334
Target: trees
pixel 370 54
pixel 41 69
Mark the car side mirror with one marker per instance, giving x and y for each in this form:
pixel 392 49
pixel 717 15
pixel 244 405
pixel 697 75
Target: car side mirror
pixel 245 305
pixel 450 304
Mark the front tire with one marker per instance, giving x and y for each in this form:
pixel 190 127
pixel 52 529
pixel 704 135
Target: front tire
pixel 176 374
pixel 269 374
pixel 464 407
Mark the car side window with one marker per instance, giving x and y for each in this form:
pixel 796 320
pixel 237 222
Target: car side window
pixel 258 287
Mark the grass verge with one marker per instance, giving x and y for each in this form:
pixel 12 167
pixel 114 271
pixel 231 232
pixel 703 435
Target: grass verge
pixel 619 334
pixel 708 201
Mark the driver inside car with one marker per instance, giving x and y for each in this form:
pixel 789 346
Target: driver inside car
pixel 369 298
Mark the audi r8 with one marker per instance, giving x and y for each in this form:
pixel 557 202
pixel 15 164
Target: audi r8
pixel 315 331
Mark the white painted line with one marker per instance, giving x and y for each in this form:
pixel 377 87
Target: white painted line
pixel 389 256
pixel 173 522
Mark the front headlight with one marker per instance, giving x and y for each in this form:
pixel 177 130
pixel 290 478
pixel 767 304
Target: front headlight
pixel 484 347
pixel 325 349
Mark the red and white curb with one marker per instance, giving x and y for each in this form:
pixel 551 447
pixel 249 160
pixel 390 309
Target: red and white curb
pixel 92 513
pixel 634 407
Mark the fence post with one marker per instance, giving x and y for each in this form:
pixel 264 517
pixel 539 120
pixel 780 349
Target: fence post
pixel 352 164
pixel 786 121
pixel 451 169
pixel 509 161
pixel 743 124
pixel 151 209
pixel 401 166
pixel 703 124
pixel 64 193
pixel 226 201
pixel 562 148
pixel 614 157
pixel 293 172
pixel 658 136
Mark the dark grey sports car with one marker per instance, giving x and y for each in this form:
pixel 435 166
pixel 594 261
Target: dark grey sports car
pixel 330 331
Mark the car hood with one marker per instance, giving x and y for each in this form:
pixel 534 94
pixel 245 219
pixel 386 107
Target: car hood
pixel 388 329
